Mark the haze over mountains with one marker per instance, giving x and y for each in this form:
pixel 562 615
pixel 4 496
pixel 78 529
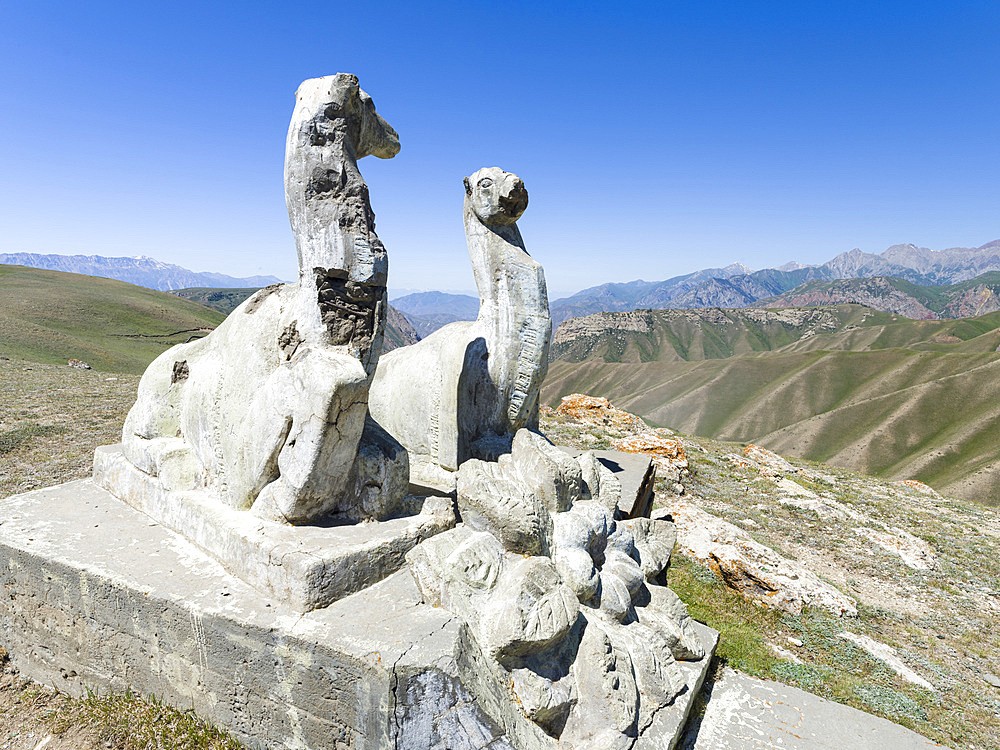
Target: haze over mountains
pixel 428 311
pixel 139 270
pixel 913 281
pixel 906 279
pixel 736 286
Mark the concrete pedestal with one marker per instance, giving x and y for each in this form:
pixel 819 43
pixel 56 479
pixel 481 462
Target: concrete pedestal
pixel 97 595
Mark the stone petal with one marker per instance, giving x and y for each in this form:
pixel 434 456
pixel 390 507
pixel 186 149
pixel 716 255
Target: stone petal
pixel 476 562
pixel 529 610
pixel 666 614
pixel 624 568
pixel 607 695
pixel 576 567
pixel 615 596
pixel 654 542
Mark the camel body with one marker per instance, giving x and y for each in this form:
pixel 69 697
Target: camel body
pixel 466 389
pixel 268 411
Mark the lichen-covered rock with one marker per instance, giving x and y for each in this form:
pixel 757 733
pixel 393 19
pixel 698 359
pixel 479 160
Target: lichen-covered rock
pixel 754 570
pixel 667 452
pixel 600 412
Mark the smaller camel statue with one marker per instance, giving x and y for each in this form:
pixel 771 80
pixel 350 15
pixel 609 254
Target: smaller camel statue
pixel 466 389
pixel 268 411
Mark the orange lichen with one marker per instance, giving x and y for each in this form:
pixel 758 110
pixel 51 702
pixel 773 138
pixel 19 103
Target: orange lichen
pixel 653 445
pixel 599 411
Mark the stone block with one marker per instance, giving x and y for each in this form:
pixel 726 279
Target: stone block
pixel 306 566
pixel 635 472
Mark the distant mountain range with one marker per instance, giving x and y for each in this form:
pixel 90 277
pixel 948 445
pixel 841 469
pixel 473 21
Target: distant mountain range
pixel 428 311
pixel 140 270
pixel 964 300
pixel 736 286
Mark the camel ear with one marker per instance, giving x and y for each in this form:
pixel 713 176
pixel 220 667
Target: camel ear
pixel 468 186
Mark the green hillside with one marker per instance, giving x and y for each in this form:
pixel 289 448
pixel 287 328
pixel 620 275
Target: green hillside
pixel 50 317
pixel 223 300
pixel 868 391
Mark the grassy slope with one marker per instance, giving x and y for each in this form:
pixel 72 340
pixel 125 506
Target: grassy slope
pixel 50 316
pixel 939 621
pixel 882 396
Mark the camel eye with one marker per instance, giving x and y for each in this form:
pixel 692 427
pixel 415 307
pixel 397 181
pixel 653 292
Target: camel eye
pixel 485 182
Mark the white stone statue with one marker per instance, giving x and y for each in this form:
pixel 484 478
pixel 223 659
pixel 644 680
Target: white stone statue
pixel 467 388
pixel 268 411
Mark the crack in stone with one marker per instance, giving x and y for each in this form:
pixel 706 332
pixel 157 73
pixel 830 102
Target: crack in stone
pixel 394 677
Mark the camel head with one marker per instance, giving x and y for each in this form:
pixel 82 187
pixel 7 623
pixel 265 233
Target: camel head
pixel 495 196
pixel 327 102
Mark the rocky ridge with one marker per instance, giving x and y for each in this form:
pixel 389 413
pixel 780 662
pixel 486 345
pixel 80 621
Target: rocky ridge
pixel 886 294
pixel 737 286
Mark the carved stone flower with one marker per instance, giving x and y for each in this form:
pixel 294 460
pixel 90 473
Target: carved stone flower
pixel 596 558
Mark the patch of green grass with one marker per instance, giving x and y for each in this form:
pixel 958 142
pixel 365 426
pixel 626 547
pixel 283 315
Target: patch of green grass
pixel 11 440
pixel 743 626
pixel 129 722
pixel 888 702
pixel 811 677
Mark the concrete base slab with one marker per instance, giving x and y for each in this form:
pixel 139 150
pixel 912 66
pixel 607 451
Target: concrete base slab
pixel 635 472
pixel 745 713
pixel 96 595
pixel 303 566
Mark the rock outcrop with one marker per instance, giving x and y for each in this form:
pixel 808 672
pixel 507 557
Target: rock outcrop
pixel 747 566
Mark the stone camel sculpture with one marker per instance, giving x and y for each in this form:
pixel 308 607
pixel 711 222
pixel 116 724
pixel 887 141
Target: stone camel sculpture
pixel 467 388
pixel 267 412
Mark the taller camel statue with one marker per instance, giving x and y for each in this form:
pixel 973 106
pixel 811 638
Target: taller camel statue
pixel 267 412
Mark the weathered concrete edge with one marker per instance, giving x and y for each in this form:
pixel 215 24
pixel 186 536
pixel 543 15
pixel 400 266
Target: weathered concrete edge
pixel 669 725
pixel 292 564
pixel 273 678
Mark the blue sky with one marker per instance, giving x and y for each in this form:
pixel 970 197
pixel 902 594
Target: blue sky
pixel 654 138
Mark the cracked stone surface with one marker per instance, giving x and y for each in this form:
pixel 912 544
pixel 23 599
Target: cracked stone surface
pixel 268 411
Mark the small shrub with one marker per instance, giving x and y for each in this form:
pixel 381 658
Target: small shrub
pixel 887 701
